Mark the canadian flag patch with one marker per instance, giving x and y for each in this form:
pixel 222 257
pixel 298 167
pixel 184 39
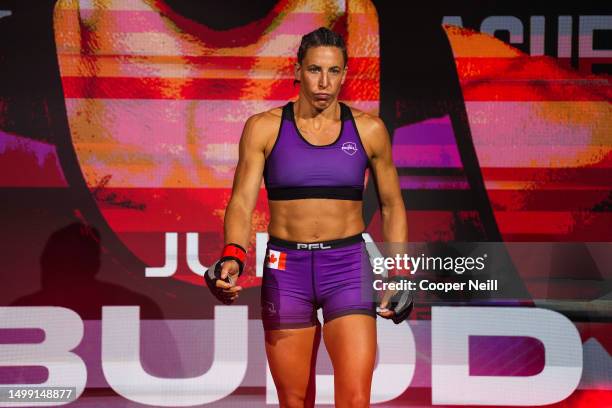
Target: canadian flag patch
pixel 276 259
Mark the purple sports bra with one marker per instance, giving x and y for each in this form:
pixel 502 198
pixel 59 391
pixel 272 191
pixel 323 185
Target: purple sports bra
pixel 296 169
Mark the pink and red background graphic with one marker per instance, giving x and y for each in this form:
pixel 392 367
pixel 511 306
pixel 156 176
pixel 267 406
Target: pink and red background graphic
pixel 126 116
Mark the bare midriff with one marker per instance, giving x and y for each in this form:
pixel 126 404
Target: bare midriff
pixel 315 219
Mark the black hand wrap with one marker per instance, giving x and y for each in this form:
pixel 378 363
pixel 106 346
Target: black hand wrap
pixel 211 276
pixel 233 252
pixel 401 303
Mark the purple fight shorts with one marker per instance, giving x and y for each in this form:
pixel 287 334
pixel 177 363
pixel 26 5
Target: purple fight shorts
pixel 299 278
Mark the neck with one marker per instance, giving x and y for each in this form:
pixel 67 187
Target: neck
pixel 304 109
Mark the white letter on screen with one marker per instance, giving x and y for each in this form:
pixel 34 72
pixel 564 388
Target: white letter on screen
pixel 171 259
pixel 451 382
pixel 63 332
pixel 124 372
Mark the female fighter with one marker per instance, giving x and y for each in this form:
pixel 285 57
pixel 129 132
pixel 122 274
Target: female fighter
pixel 312 155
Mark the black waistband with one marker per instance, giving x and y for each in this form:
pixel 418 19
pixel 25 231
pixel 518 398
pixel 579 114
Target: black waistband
pixel 298 193
pixel 335 243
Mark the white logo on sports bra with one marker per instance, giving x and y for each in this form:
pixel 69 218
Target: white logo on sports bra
pixel 349 148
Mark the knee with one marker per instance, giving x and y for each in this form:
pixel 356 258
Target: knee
pixel 360 400
pixel 292 400
pixel 355 400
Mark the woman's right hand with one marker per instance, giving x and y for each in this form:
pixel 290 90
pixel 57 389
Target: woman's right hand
pixel 229 269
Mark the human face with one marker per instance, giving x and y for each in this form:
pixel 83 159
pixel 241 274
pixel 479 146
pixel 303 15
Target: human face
pixel 321 74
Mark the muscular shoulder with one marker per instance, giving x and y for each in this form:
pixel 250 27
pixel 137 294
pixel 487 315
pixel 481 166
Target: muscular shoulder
pixel 367 123
pixel 263 120
pixel 261 127
pixel 372 130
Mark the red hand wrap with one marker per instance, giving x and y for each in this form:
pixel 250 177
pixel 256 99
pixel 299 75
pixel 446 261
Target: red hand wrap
pixel 234 251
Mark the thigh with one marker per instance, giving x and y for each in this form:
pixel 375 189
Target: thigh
pixel 351 343
pixel 287 300
pixel 292 356
pixel 344 282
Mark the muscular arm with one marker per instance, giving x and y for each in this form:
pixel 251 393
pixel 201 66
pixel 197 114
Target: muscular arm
pixel 377 141
pixel 247 180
